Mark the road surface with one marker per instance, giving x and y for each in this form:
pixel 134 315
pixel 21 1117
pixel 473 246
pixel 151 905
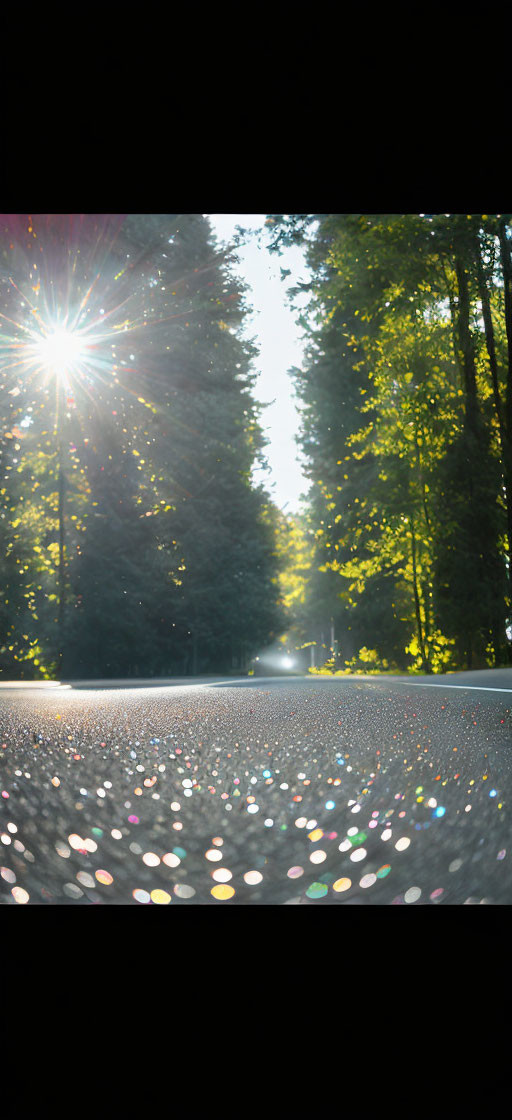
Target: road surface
pixel 302 791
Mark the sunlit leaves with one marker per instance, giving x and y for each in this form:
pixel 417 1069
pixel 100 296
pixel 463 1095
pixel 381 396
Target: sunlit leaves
pixel 386 293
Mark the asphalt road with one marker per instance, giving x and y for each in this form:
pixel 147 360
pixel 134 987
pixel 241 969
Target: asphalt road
pixel 309 791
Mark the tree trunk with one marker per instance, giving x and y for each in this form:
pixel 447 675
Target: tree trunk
pixel 489 340
pixel 504 431
pixel 425 586
pixel 466 349
pixel 424 658
pixel 425 589
pixel 506 265
pixel 62 572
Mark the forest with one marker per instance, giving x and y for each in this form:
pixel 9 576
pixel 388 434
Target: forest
pixel 406 429
pixel 134 541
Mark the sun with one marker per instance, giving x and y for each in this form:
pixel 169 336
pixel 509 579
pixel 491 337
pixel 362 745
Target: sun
pixel 59 351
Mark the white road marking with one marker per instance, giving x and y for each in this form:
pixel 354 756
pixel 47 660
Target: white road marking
pixel 466 687
pixel 386 680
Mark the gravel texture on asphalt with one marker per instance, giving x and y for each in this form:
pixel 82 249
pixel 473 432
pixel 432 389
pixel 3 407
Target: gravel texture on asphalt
pixel 289 791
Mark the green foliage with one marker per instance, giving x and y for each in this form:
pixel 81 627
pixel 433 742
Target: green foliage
pixel 170 555
pixel 405 395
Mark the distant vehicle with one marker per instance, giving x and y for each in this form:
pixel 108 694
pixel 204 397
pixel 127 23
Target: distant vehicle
pixel 276 662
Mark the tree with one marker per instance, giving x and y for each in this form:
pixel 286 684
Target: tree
pixel 404 429
pixel 166 537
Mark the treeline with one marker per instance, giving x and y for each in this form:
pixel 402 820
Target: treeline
pixel 169 550
pixel 407 435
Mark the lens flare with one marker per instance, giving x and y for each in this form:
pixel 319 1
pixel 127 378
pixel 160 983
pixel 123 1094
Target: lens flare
pixel 59 351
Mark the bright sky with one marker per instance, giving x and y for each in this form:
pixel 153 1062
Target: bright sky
pixel 279 340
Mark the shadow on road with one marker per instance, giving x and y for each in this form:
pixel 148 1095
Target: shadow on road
pixel 486 679
pixel 150 682
pixel 115 683
pixel 182 682
pixel 256 682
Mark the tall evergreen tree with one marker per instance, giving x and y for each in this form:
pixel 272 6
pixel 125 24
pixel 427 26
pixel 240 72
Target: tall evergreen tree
pixel 148 465
pixel 202 436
